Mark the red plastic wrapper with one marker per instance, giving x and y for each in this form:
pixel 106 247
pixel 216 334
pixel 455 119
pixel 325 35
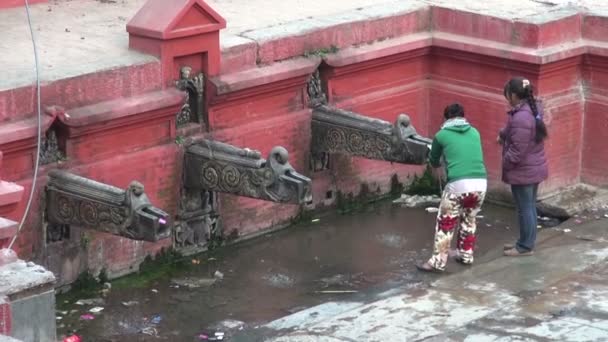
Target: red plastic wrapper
pixel 73 338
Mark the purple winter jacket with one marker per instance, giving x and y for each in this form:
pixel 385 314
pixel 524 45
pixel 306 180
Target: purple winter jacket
pixel 523 160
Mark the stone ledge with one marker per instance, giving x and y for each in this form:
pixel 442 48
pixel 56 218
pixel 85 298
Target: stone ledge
pixel 8 228
pixel 572 200
pixel 4 338
pixel 254 77
pixel 10 193
pixel 21 276
pixel 122 108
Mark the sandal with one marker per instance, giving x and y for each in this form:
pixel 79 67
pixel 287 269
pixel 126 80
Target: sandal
pixel 428 268
pixel 513 252
pixel 454 254
pixel 462 262
pixel 508 246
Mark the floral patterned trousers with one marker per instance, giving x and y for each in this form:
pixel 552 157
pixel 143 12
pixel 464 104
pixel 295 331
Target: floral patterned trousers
pixel 456 210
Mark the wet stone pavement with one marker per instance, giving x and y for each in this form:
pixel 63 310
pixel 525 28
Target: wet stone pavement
pixel 241 287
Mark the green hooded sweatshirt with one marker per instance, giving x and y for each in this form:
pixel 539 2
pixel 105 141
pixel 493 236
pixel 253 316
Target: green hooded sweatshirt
pixel 460 144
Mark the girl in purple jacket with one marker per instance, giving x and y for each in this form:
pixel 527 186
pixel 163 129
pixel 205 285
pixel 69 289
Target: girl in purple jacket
pixel 524 165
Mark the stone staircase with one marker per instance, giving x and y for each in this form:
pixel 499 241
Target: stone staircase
pixel 10 195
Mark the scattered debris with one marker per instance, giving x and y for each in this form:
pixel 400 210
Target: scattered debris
pixel 130 303
pixel 107 286
pixel 154 290
pixel 218 275
pixel 589 238
pixel 156 319
pixel 149 331
pixel 87 317
pixel 218 336
pixel 193 282
pixel 59 318
pixel 231 324
pixel 279 280
pixel 566 230
pixel 432 210
pixel 315 220
pixel 73 338
pixel 336 291
pixel 96 309
pixel 92 301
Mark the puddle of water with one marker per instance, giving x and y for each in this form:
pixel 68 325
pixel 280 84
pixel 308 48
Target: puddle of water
pixel 273 276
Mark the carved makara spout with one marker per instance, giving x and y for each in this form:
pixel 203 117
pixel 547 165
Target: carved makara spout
pixel 340 131
pixel 75 200
pixel 219 167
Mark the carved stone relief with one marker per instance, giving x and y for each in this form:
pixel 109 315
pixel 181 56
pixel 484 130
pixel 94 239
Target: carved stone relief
pixel 49 148
pixel 198 219
pixel 57 232
pixel 83 202
pixel 193 109
pixel 319 161
pixel 316 94
pixel 340 131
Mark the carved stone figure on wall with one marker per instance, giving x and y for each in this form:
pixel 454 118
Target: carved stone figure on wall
pixel 193 108
pixel 50 151
pixel 198 219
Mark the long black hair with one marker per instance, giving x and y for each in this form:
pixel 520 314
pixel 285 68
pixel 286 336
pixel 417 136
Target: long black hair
pixel 523 89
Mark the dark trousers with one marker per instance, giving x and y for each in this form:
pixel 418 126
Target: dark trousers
pixel 525 203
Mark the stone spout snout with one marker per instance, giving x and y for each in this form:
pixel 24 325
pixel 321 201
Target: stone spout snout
pixel 408 145
pixel 290 186
pixel 147 221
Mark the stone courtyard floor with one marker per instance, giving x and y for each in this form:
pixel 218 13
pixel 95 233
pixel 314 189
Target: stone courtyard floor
pixel 560 294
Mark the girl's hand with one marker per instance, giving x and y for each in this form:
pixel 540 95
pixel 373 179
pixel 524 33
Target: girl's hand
pixel 499 140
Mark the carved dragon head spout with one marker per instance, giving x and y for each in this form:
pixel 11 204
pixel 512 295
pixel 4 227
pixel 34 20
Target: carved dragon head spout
pixel 219 167
pixel 289 183
pixel 75 200
pixel 340 131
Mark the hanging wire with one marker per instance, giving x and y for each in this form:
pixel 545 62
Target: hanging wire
pixel 39 116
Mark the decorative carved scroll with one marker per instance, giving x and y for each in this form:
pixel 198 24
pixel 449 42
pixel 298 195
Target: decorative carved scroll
pixel 193 109
pixel 340 131
pixel 219 167
pixel 75 200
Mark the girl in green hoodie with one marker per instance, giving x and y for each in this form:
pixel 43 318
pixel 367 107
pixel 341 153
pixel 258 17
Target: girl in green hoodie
pixel 460 145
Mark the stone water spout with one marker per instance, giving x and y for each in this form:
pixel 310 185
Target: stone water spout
pixel 75 200
pixel 339 131
pixel 219 167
